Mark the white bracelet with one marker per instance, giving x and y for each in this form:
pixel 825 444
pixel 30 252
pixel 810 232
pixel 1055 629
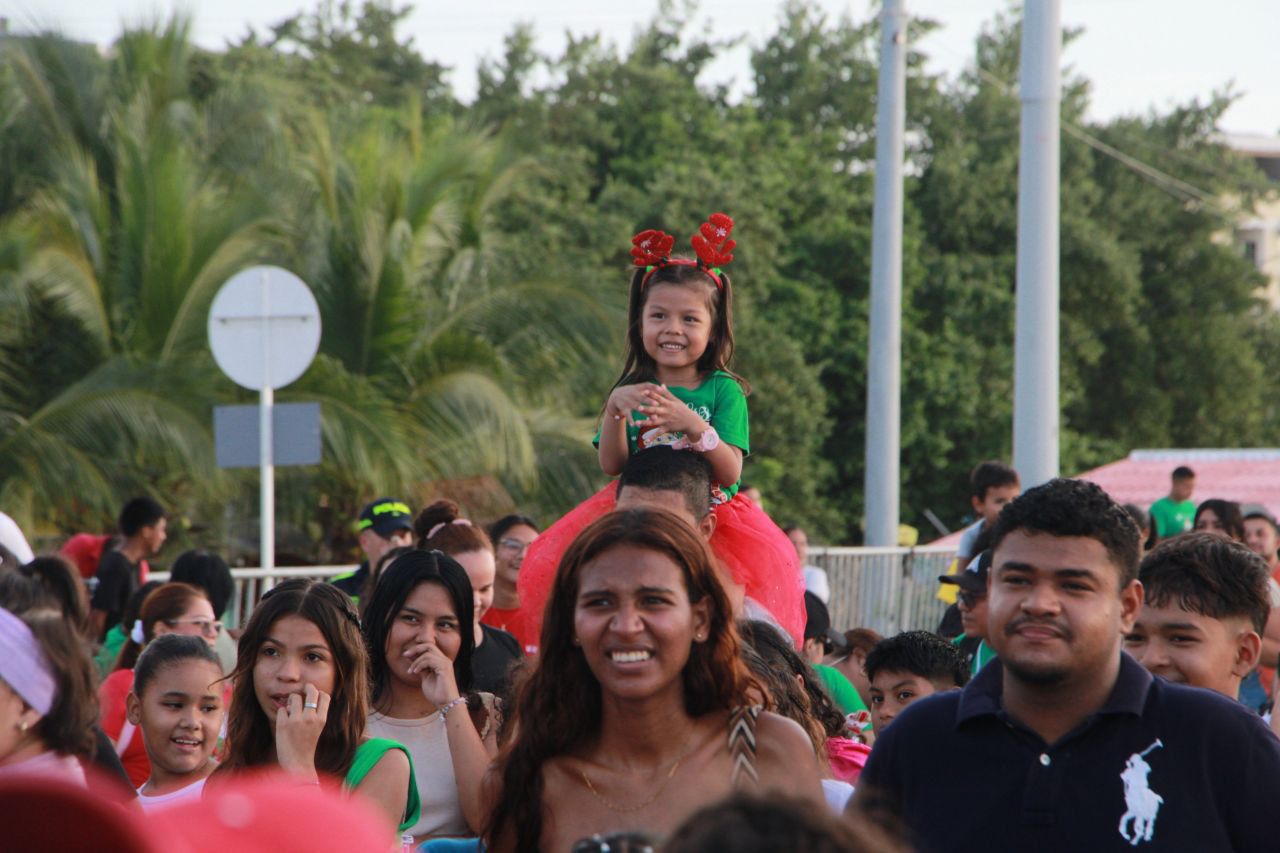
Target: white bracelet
pixel 450 705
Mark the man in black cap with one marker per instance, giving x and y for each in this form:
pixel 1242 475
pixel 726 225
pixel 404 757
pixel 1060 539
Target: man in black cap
pixel 820 640
pixel 971 601
pixel 383 524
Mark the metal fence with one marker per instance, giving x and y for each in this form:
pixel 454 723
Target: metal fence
pixel 885 589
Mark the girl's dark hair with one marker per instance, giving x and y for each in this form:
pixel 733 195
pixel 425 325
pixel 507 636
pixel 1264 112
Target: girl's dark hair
pixel 375 573
pixel 452 538
pixel 250 742
pixel 69 726
pixel 639 366
pixel 500 527
pixel 780 655
pixel 133 605
pixel 208 571
pixel 393 588
pixel 169 649
pixel 546 725
pixel 64 585
pixel 166 603
pixel 1228 513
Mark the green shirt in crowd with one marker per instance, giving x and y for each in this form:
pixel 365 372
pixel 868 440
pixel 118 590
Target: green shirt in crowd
pixel 842 691
pixel 1172 517
pixel 719 401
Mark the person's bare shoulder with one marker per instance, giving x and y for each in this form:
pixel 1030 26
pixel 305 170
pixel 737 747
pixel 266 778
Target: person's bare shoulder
pixel 785 758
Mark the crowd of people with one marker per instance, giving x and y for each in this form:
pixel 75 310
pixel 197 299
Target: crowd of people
pixel 658 669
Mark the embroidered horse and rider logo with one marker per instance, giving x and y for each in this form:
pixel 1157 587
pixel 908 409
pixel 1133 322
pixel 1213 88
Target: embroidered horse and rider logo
pixel 1138 823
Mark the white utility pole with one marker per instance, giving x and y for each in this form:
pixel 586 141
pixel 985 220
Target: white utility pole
pixel 884 360
pixel 1035 374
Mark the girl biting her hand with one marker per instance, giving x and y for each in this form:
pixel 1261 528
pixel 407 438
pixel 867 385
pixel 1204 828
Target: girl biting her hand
pixel 301 701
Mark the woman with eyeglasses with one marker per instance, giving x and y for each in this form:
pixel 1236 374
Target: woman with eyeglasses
pixel 171 608
pixel 511 536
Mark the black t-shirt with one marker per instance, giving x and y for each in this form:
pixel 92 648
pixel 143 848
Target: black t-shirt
pixel 492 660
pixel 1159 767
pixel 117 580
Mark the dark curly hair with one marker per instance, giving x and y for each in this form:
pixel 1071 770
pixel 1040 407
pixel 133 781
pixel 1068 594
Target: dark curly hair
pixel 920 653
pixel 1065 508
pixel 545 725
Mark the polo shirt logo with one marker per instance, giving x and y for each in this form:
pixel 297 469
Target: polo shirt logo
pixel 1138 823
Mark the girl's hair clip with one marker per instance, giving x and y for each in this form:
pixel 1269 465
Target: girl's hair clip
pixel 651 249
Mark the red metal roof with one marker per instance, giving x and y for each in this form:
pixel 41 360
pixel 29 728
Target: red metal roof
pixel 1247 476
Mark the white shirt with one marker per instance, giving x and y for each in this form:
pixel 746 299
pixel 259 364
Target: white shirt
pixel 815 581
pixel 428 743
pixel 154 802
pixel 12 538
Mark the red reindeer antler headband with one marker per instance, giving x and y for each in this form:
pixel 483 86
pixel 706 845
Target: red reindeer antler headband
pixel 652 249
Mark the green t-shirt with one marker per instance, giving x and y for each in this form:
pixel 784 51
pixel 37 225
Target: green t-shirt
pixel 982 655
pixel 1172 518
pixel 719 401
pixel 842 691
pixel 368 754
pixel 105 659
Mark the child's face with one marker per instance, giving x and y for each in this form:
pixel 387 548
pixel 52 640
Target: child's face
pixel 893 690
pixel 1191 648
pixel 1261 538
pixel 293 655
pixel 675 329
pixel 990 504
pixel 179 716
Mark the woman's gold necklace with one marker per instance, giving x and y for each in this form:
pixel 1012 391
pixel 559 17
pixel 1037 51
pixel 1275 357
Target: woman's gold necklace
pixel 612 806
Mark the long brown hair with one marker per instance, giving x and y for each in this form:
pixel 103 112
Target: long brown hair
pixel 546 725
pixel 165 603
pixel 250 741
pixel 639 366
pixel 69 726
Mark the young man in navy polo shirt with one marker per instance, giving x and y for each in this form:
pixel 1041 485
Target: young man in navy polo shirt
pixel 1066 743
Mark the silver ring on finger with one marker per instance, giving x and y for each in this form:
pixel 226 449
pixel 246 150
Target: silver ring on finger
pixel 312 705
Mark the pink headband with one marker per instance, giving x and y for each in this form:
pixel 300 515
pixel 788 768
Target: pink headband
pixel 433 531
pixel 23 665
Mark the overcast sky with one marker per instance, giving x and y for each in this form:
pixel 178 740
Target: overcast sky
pixel 1139 54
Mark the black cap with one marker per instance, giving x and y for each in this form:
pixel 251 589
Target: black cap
pixel 817 624
pixel 974 576
pixel 385 516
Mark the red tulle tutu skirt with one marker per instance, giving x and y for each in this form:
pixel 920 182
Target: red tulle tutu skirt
pixel 758 555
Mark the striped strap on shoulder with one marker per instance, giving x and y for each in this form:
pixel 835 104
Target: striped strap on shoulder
pixel 742 746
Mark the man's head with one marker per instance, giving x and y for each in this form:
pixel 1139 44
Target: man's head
pixel 908 667
pixel 799 540
pixel 676 480
pixel 971 599
pixel 1206 605
pixel 1182 484
pixel 1262 534
pixel 144 519
pixel 1064 587
pixel 992 485
pixel 384 524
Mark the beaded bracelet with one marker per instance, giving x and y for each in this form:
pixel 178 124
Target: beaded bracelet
pixel 450 705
